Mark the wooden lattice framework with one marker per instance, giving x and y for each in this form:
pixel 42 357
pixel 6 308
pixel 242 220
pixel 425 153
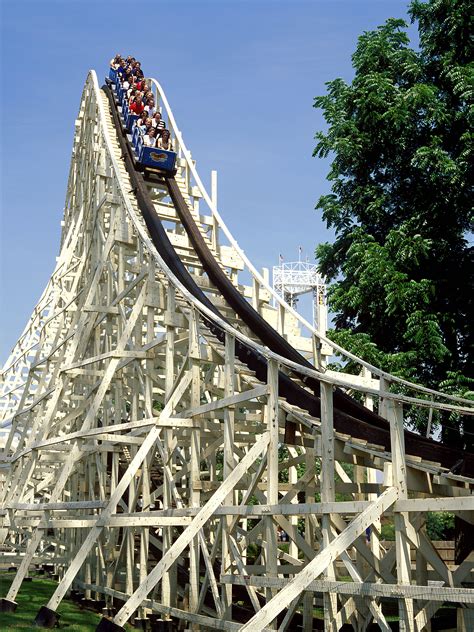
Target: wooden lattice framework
pixel 149 464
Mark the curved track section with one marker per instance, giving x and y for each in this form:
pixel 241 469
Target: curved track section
pixel 349 415
pixel 167 437
pixel 197 190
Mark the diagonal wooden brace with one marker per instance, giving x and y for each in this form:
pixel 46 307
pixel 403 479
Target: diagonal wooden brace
pixel 187 536
pixel 283 599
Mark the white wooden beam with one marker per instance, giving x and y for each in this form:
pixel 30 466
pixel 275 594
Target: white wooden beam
pixel 320 562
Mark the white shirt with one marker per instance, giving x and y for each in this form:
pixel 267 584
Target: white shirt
pixel 150 109
pixel 149 141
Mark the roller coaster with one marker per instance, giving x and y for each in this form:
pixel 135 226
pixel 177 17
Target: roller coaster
pixel 165 422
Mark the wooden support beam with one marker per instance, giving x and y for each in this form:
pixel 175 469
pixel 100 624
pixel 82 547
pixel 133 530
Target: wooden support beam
pixel 439 594
pixel 186 537
pixel 328 493
pixel 320 562
pixel 402 544
pixel 228 465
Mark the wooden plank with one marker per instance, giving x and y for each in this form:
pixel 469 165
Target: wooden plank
pixel 373 590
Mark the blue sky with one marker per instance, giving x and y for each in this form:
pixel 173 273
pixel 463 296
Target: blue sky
pixel 240 77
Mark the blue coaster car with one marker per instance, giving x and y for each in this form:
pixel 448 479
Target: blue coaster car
pixel 156 158
pixel 145 156
pixel 135 137
pixel 130 120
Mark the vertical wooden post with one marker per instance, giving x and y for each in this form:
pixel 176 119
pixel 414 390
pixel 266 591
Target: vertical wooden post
pixel 292 479
pixel 271 546
pixel 399 473
pixel 382 407
pixel 145 497
pixel 309 536
pixel 169 582
pixel 316 348
pixel 215 225
pixel 371 474
pixel 421 574
pixel 195 469
pixel 255 294
pixel 145 479
pixel 281 319
pixel 229 464
pixel 328 494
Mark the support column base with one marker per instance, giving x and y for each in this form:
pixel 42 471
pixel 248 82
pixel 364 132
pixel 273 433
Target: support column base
pixel 106 625
pixel 46 618
pixel 7 606
pixel 87 603
pixel 76 596
pixel 162 625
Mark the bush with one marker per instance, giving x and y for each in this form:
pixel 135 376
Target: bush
pixel 440 525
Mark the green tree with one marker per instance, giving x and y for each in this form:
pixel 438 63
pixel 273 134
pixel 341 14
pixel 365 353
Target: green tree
pixel 400 139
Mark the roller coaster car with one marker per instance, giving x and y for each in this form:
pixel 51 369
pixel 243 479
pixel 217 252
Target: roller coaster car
pixel 145 157
pixel 154 157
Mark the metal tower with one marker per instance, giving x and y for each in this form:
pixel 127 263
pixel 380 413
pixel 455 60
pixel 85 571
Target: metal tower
pixel 294 279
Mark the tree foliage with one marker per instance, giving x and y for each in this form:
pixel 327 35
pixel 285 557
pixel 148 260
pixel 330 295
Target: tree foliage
pixel 400 139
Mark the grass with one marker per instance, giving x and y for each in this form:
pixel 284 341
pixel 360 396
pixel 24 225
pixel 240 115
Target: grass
pixel 35 594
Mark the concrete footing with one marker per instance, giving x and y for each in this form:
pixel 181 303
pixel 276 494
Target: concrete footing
pixel 106 625
pixel 76 596
pixel 7 606
pixel 46 618
pixel 161 625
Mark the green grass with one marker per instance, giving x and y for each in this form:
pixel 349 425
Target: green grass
pixel 35 594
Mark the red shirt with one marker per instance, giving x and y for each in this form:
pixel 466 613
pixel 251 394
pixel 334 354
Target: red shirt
pixel 137 107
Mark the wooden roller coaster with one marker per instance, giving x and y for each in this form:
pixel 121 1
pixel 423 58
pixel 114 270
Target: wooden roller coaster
pixel 166 423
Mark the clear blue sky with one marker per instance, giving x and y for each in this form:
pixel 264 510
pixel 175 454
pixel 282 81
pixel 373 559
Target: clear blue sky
pixel 240 77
